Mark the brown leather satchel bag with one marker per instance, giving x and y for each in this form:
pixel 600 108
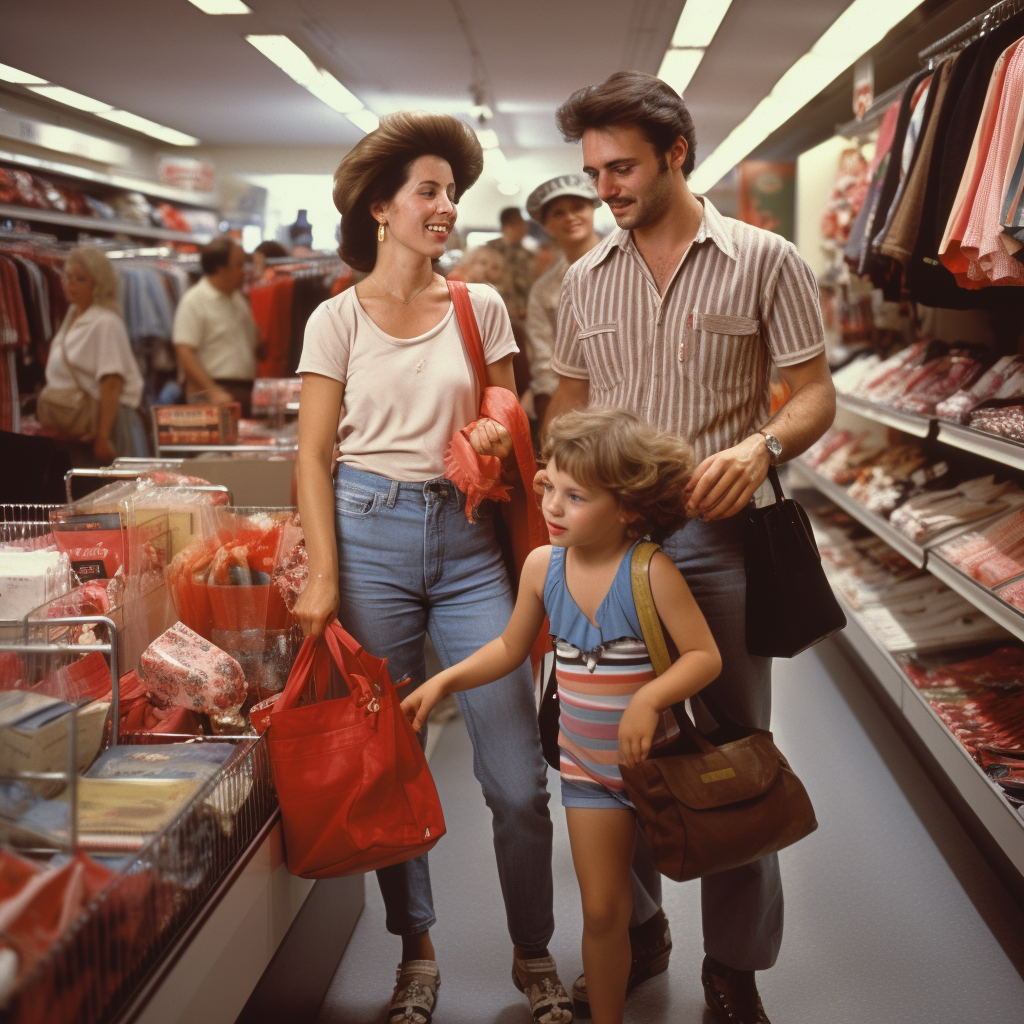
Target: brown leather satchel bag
pixel 710 803
pixel 70 413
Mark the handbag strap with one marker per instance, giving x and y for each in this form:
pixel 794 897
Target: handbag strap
pixel 654 635
pixel 63 335
pixel 470 329
pixel 773 476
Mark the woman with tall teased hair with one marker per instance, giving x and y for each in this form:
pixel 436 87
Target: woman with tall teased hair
pixel 391 551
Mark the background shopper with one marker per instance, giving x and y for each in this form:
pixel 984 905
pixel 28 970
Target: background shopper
pixel 564 207
pixel 215 335
pixel 91 351
pixel 677 316
pixel 390 548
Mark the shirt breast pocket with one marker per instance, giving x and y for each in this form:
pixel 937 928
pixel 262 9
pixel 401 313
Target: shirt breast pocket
pixel 603 356
pixel 722 353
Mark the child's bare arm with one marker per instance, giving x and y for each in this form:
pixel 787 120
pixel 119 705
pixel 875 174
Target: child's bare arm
pixel 500 656
pixel 699 662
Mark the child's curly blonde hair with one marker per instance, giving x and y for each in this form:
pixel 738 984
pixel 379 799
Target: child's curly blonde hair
pixel 644 468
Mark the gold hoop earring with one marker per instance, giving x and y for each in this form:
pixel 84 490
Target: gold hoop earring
pixel 380 233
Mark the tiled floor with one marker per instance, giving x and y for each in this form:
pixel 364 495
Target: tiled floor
pixel 892 917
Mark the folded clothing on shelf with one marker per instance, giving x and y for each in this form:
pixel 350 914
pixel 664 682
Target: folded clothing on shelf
pixel 992 556
pixel 929 513
pixel 1003 380
pixel 1006 421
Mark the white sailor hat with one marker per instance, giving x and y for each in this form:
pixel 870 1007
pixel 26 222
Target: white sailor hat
pixel 564 185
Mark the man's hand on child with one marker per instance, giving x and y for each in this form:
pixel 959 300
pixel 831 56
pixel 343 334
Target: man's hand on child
pixel 636 731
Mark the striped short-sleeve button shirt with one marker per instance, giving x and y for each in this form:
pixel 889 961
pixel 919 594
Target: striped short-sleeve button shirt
pixel 695 361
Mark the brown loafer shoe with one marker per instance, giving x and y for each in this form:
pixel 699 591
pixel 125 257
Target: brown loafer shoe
pixel 731 995
pixel 651 946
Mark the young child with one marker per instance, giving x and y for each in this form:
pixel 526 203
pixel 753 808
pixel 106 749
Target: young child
pixel 611 479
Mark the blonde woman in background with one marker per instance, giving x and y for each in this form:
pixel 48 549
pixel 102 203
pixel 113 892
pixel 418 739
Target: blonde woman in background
pixel 91 351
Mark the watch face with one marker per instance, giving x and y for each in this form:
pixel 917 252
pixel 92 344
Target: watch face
pixel 774 446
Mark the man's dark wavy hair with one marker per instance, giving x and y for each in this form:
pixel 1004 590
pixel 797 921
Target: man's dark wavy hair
pixel 631 99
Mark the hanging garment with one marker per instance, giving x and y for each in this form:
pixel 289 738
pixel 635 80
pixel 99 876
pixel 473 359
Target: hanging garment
pixel 271 304
pixel 978 172
pixel 901 235
pixel 1011 212
pixel 929 282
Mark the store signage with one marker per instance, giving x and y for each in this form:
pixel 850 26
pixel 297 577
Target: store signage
pixel 63 140
pixel 863 85
pixel 186 172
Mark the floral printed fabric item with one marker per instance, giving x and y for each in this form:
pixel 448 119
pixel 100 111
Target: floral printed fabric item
pixel 184 670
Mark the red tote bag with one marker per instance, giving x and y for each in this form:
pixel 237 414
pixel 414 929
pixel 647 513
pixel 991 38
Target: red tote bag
pixel 355 790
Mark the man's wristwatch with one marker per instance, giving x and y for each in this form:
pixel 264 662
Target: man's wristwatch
pixel 774 446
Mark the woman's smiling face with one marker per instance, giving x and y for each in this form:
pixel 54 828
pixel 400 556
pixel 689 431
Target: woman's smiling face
pixel 422 213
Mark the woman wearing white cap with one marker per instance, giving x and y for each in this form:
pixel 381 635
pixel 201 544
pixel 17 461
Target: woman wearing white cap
pixel 564 207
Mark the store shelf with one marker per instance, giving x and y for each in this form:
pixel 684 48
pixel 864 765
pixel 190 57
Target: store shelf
pixel 206 200
pixel 918 426
pixel 98 224
pixel 983 796
pixel 227 449
pixel 980 596
pixel 874 522
pixel 978 442
pixel 873 654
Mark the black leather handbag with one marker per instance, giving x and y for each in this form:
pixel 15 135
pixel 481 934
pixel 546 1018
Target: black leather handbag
pixel 790 605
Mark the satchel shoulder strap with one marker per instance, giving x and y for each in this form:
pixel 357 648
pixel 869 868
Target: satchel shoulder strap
pixel 643 598
pixel 470 329
pixel 63 335
pixel 654 635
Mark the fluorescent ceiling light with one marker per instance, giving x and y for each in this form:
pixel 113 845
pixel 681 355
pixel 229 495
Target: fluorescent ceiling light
pixel 147 127
pixel 509 188
pixel 365 119
pixel 860 27
pixel 221 6
pixel 678 67
pixel 698 23
pixel 9 74
pixel 488 138
pixel 71 98
pixel 481 110
pixel 292 60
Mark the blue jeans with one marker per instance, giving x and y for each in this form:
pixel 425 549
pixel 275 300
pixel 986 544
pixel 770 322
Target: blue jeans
pixel 409 563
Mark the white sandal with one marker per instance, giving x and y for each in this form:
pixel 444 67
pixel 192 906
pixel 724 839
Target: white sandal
pixel 538 979
pixel 415 996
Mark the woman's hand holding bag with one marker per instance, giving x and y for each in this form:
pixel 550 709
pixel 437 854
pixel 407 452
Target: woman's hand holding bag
pixel 355 790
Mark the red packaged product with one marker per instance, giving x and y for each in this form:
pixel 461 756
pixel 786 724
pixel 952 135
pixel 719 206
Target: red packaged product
pixel 181 668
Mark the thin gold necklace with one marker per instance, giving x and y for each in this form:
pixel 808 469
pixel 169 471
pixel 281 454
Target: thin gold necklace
pixel 399 297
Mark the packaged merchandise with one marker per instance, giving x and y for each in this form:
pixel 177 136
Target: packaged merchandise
pixel 198 424
pixel 183 669
pixel 140 716
pixel 991 556
pixel 232 583
pixel 1003 380
pixel 31 578
pixel 165 761
pixel 930 513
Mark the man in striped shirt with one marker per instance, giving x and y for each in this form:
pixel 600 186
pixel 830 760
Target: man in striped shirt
pixel 678 316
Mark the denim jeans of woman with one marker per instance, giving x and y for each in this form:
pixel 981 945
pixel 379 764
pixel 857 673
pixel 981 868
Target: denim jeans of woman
pixel 410 563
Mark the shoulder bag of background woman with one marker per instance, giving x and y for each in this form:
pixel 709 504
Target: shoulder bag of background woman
pixel 354 787
pixel 71 413
pixel 709 803
pixel 790 605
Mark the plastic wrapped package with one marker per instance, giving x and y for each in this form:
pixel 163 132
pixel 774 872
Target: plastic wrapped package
pixel 29 579
pixel 183 669
pixel 224 586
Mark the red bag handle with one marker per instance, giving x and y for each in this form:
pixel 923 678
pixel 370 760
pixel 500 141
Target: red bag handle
pixel 470 329
pixel 314 657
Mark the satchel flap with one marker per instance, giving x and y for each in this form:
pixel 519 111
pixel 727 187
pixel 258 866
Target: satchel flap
pixel 741 770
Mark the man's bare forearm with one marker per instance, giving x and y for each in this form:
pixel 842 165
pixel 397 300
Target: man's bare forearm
pixel 570 395
pixel 804 418
pixel 198 378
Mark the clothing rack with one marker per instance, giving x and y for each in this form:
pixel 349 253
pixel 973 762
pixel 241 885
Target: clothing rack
pixel 859 127
pixel 969 32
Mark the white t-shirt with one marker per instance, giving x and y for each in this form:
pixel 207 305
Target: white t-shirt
pixel 97 345
pixel 220 328
pixel 404 397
